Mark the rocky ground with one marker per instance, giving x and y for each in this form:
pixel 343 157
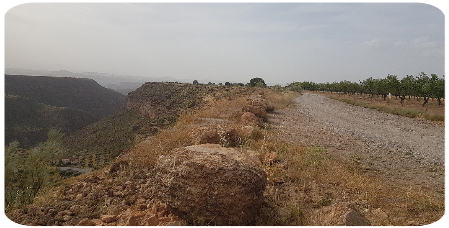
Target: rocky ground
pixel 215 156
pixel 398 148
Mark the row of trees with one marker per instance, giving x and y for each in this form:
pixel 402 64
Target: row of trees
pixel 420 85
pixel 254 82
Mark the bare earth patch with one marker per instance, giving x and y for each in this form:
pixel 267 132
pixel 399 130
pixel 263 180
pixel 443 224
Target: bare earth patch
pixel 399 149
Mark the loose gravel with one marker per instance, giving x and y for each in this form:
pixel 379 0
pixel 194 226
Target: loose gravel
pixel 422 139
pixel 386 145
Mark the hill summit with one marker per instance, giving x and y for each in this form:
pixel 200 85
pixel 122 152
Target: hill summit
pixel 75 93
pixel 36 104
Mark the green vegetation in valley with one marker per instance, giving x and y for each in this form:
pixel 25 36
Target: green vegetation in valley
pixel 28 122
pixel 27 172
pixel 152 107
pixel 75 93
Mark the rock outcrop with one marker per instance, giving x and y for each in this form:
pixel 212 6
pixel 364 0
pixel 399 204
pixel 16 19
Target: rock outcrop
pixel 343 214
pixel 216 134
pixel 206 187
pixel 259 106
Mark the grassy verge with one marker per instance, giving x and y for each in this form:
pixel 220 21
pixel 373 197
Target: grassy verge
pixel 397 111
pixel 305 180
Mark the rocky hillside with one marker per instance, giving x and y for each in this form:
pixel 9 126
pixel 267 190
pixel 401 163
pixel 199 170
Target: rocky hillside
pixel 75 93
pixel 28 122
pixel 150 108
pixel 136 188
pixel 36 104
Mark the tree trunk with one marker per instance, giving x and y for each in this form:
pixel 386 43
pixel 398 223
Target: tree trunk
pixel 426 99
pixel 402 99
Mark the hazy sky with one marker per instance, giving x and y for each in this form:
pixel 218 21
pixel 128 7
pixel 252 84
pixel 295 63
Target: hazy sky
pixel 281 43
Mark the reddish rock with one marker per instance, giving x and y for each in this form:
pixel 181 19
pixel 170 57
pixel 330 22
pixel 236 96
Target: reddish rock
pixel 152 221
pixel 108 218
pixel 249 118
pixel 215 134
pixel 86 222
pixel 262 103
pixel 342 215
pixel 209 188
pixel 271 158
pixel 256 110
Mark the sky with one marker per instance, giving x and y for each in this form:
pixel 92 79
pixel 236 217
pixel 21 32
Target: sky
pixel 234 42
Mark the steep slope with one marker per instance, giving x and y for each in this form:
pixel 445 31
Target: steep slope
pixel 76 93
pixel 150 108
pixel 28 122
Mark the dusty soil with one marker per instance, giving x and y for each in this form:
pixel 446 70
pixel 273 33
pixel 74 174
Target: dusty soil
pixel 400 149
pixel 413 103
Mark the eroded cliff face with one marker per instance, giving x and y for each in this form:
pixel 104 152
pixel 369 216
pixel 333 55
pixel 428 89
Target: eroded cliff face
pixel 158 100
pixel 150 108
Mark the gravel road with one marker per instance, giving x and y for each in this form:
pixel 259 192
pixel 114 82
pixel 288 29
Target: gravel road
pixel 423 139
pixel 388 145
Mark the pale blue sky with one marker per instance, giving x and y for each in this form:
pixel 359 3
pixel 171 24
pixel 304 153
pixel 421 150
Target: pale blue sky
pixel 281 43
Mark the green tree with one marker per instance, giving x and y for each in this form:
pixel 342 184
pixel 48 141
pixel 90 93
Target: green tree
pixel 295 86
pixel 27 172
pixel 393 85
pixel 439 90
pixel 257 82
pixel 424 84
pixel 408 84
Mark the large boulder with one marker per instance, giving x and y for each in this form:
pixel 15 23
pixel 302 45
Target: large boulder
pixel 216 134
pixel 258 111
pixel 208 187
pixel 260 102
pixel 249 118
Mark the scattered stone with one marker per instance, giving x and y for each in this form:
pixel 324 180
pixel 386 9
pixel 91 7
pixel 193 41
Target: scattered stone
pixel 216 134
pixel 249 118
pixel 284 213
pixel 380 213
pixel 152 221
pixel 342 215
pixel 262 103
pixel 256 110
pixel 108 218
pixel 271 158
pixel 86 222
pixel 248 156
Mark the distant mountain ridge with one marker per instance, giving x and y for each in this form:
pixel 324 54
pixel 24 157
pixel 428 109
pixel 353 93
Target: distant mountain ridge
pixel 76 93
pixel 28 122
pixel 120 83
pixel 36 104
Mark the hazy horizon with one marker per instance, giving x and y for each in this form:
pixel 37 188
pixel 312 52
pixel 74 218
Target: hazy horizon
pixel 279 42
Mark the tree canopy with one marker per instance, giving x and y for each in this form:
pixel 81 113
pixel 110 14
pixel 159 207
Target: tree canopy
pixel 257 82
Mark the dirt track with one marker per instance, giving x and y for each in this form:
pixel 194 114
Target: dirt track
pixel 385 145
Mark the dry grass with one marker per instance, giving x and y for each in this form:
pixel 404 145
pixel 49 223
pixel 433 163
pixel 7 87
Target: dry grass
pixel 410 107
pixel 217 108
pixel 306 179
